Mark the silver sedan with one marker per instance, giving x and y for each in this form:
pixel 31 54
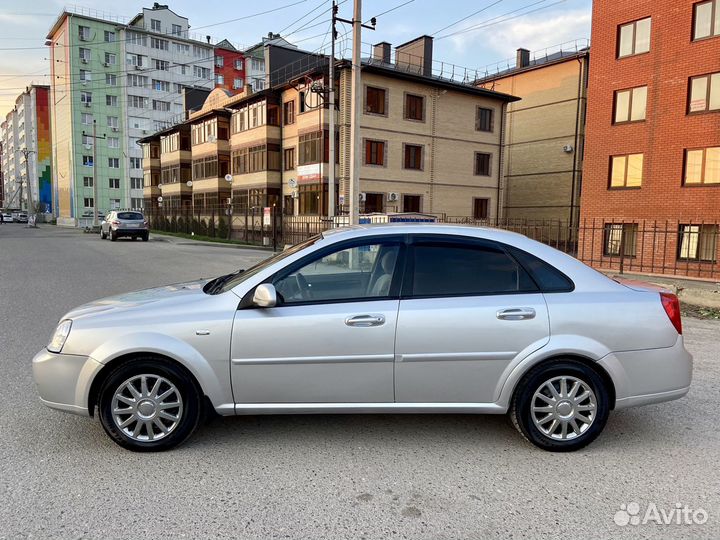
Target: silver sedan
pixel 394 319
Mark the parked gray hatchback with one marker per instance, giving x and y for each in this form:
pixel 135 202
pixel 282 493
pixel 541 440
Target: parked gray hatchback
pixel 394 318
pixel 126 223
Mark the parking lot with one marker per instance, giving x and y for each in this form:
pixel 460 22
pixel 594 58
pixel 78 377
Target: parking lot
pixel 312 477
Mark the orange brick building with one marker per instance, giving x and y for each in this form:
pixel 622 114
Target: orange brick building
pixel 651 180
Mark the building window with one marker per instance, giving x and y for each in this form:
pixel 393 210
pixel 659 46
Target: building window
pixel 87 181
pixel 630 105
pixel 413 157
pixel 697 243
pixel 139 102
pixel 159 44
pixel 163 86
pixel 86 118
pixel 114 204
pixel 411 203
pixel 310 148
pixel 84 33
pixel 484 119
pixel 88 202
pixel 87 140
pixel 626 171
pixel 201 72
pixel 111 101
pixel 161 105
pixel 114 163
pixel 374 152
pixel 155 25
pixel 136 183
pixel 256 159
pixel 85 55
pixel 110 79
pixel 482 164
pixel 706 22
pixel 85 75
pixel 109 36
pixel 114 183
pixel 414 107
pixel 87 161
pixel 375 100
pixel 177 30
pixel 86 97
pixel 239 64
pixel 219 79
pixel 219 61
pixel 704 94
pixel 237 84
pixel 164 65
pixel 634 38
pixel 289 112
pixel 620 238
pixel 110 59
pixel 136 203
pixel 481 208
pixel 113 142
pixel 702 166
pixel 289 159
pixel 135 163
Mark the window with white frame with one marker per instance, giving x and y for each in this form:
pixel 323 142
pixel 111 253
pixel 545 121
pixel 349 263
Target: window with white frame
pixel 86 118
pixel 155 25
pixel 163 86
pixel 136 183
pixel 113 142
pixel 110 58
pixel 135 163
pixel 114 183
pixel 176 29
pixel 114 163
pixel 86 97
pixel 110 79
pixel 113 122
pixel 111 101
pixel 109 36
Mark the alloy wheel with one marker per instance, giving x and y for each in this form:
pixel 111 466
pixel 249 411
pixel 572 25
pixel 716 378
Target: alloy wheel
pixel 147 407
pixel 563 408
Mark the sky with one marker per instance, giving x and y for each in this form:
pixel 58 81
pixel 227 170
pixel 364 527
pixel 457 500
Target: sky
pixel 475 34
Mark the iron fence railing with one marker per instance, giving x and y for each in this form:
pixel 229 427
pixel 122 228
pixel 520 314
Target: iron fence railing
pixel 678 248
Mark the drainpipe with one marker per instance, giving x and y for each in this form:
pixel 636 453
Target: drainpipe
pixel 581 77
pixel 501 155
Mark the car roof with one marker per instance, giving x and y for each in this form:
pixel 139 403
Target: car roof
pixel 422 228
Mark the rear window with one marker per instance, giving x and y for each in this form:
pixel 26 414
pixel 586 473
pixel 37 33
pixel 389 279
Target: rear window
pixel 130 215
pixel 460 270
pixel 549 278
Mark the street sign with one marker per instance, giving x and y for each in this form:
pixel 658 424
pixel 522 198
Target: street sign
pixel 266 216
pixel 160 199
pixel 292 183
pixel 228 177
pixel 189 183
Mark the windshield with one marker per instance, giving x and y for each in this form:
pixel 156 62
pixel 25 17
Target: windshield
pixel 239 278
pixel 130 215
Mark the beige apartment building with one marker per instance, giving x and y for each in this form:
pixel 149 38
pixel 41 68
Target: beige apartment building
pixel 429 144
pixel 545 134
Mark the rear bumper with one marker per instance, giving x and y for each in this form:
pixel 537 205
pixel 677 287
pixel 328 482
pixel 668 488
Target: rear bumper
pixel 63 380
pixel 130 232
pixel 649 376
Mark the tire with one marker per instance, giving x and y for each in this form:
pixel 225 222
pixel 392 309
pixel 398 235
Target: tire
pixel 179 421
pixel 113 236
pixel 134 238
pixel 146 237
pixel 103 235
pixel 545 428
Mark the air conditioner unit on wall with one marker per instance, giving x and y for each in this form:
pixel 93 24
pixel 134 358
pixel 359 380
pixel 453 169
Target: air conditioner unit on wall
pixel 116 129
pixel 363 197
pixel 393 196
pixel 86 104
pixel 84 60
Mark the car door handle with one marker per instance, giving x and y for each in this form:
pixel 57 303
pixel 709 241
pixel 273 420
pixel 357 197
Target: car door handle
pixel 365 320
pixel 516 314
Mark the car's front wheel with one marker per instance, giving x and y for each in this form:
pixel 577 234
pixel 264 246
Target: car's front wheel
pixel 149 405
pixel 103 235
pixel 561 406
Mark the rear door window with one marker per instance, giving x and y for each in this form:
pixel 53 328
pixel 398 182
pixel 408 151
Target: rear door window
pixel 549 278
pixel 455 268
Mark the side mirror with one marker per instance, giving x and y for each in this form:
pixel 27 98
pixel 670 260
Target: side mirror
pixel 265 295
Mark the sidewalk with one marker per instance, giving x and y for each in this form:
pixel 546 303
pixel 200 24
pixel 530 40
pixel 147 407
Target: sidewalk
pixel 180 240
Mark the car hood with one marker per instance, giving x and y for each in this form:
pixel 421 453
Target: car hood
pixel 176 293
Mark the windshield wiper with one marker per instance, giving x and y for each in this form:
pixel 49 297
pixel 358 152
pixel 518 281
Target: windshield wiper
pixel 216 284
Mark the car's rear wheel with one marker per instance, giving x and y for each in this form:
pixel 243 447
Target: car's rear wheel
pixel 146 237
pixel 561 406
pixel 103 235
pixel 149 405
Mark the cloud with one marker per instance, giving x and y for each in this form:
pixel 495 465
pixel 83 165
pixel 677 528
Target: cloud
pixel 534 32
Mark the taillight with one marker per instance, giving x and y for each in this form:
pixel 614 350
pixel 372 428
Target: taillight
pixel 116 223
pixel 672 307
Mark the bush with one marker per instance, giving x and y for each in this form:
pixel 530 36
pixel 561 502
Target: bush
pixel 202 228
pixel 222 229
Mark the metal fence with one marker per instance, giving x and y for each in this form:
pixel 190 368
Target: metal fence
pixel 678 248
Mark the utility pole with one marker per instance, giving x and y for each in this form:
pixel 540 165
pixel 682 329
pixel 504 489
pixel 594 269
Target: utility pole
pixel 95 138
pixel 331 117
pixel 30 206
pixel 355 110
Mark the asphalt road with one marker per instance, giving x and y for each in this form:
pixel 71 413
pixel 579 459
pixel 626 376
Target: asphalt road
pixel 315 477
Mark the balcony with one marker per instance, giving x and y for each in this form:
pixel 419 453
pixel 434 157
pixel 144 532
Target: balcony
pixel 258 135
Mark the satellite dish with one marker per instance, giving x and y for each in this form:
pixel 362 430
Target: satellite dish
pixel 212 138
pixel 189 183
pixel 159 185
pixel 292 183
pixel 160 199
pixel 228 177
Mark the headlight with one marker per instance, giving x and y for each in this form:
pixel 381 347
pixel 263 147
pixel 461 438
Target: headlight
pixel 61 333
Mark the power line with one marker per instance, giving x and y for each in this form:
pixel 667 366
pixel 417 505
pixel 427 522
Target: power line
pixel 301 18
pixel 467 17
pixel 493 21
pixel 250 16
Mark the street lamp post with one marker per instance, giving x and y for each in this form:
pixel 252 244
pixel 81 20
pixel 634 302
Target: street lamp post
pixel 30 205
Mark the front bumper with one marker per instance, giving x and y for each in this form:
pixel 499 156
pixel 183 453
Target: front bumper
pixel 63 380
pixel 650 375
